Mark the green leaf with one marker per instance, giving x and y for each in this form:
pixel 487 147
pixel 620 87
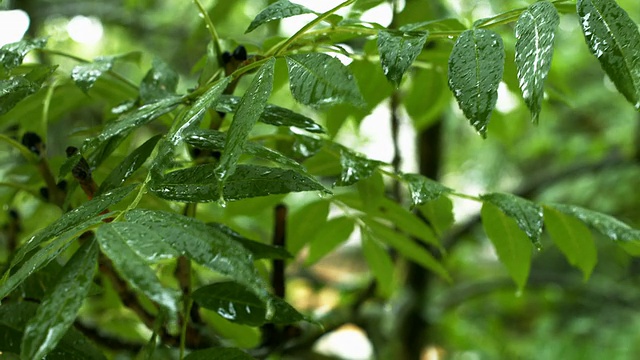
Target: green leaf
pixel 18 87
pixel 423 189
pixel 258 249
pixel 160 82
pixel 199 242
pixel 475 70
pixel 198 184
pixel 59 307
pixel 118 241
pixel 614 39
pixel 215 140
pixel 573 239
pixel 379 262
pixel 44 256
pixel 535 32
pixel 398 50
pixel 527 214
pixel 219 353
pixel 138 117
pixel 334 232
pixel 318 79
pixel 129 165
pixel 607 225
pixel 237 304
pixel 371 190
pixel 279 10
pixel 355 167
pixel 69 163
pixel 439 213
pixel 11 55
pixel 305 221
pixel 83 213
pixel 272 115
pixel 405 246
pixel 249 109
pixel 405 221
pixel 86 74
pixel 511 244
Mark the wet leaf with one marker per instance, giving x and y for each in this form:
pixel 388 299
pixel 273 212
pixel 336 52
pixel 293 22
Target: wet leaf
pixel 116 243
pixel 573 238
pixel 405 246
pixel 608 226
pixel 272 115
pixel 379 262
pixel 510 242
pixel 527 214
pixel 249 110
pixel 159 83
pixel 215 140
pixel 398 50
pixel 535 32
pixel 237 304
pixel 355 167
pixel 423 189
pixel 305 221
pixel 59 308
pixel 475 70
pixel 193 238
pixel 614 39
pixel 258 249
pixel 219 353
pixel 278 10
pixel 11 55
pixel 16 88
pixel 69 163
pixel 139 117
pixel 334 232
pixel 129 165
pixel 86 74
pixel 318 79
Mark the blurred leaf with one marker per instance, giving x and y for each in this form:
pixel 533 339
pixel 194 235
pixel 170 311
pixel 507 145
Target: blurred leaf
pixel 405 246
pixel 614 39
pixel 59 308
pixel 379 262
pixel 198 183
pixel 11 55
pixel 116 240
pixel 86 74
pixel 249 110
pixel 272 115
pixel 608 226
pixel 371 190
pixel 139 117
pixel 159 83
pixel 510 242
pixel 475 70
pixel 258 249
pixel 237 304
pixel 129 165
pixel 69 163
pixel 573 239
pixel 527 214
pixel 279 10
pixel 219 353
pixel 305 221
pixel 535 32
pixel 334 232
pixel 398 50
pixel 355 167
pixel 439 213
pixel 404 220
pixel 196 240
pixel 318 79
pixel 425 102
pixel 423 189
pixel 18 87
pixel 214 140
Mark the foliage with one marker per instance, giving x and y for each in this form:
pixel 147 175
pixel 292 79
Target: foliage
pixel 190 147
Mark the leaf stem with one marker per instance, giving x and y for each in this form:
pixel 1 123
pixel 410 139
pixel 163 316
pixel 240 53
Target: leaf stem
pixel 212 29
pixel 23 150
pixel 465 196
pixel 311 24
